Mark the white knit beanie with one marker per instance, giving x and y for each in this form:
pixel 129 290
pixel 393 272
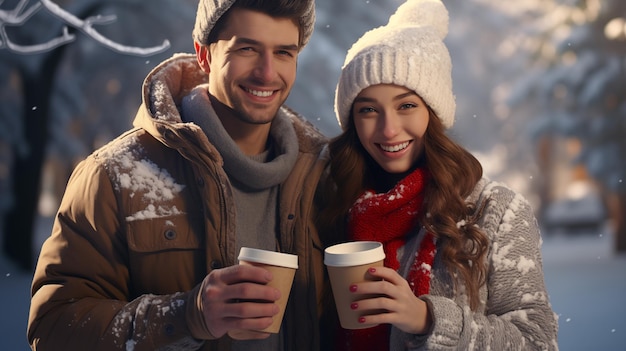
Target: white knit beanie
pixel 210 11
pixel 408 51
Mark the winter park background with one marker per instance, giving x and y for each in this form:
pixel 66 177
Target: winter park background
pixel 541 101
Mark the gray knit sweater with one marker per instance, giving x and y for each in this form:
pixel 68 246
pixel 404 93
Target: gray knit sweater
pixel 515 313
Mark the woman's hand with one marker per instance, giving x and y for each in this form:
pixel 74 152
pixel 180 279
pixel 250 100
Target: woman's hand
pixel 400 306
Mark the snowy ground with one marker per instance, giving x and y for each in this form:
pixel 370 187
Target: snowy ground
pixel 586 283
pixel 587 287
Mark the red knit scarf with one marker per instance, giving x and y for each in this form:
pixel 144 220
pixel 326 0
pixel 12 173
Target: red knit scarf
pixel 388 217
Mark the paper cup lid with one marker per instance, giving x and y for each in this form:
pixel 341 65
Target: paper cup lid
pixel 268 257
pixel 354 253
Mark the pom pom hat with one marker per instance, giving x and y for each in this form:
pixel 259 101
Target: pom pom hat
pixel 210 11
pixel 408 51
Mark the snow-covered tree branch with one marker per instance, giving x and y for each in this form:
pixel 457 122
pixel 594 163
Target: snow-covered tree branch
pixel 21 13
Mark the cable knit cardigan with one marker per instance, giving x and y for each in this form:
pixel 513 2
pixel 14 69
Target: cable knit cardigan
pixel 514 313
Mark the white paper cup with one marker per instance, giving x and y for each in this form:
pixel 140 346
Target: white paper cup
pixel 283 267
pixel 347 264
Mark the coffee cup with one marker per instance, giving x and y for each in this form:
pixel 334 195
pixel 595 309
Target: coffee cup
pixel 283 267
pixel 348 263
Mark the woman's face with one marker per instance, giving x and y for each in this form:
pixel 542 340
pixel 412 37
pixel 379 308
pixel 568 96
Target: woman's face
pixel 390 121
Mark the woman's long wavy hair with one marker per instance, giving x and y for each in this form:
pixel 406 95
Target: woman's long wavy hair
pixel 453 174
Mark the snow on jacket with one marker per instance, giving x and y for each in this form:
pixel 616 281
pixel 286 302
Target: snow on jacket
pixel 515 313
pixel 146 217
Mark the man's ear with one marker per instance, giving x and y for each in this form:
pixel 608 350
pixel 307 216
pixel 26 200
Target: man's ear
pixel 203 56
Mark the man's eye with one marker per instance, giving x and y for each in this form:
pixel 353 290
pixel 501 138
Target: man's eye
pixel 285 53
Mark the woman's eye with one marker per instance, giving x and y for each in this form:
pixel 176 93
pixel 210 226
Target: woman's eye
pixel 366 109
pixel 407 105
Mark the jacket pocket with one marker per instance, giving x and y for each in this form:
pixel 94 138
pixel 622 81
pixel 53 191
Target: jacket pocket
pixel 162 234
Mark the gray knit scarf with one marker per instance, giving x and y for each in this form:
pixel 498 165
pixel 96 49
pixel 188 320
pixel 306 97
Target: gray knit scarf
pixel 196 108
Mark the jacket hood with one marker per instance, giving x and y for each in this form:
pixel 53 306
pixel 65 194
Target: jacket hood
pixel 167 84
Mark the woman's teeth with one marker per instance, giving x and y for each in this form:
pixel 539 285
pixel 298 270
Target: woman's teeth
pixel 394 148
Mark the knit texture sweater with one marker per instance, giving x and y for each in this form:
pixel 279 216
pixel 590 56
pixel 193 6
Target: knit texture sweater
pixel 514 311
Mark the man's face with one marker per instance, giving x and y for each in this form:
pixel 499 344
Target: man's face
pixel 252 66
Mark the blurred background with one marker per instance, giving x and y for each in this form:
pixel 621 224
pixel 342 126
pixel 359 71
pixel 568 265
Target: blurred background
pixel 541 101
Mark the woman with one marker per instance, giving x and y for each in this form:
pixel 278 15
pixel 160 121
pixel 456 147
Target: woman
pixel 463 265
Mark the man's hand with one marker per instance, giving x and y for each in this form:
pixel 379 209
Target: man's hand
pixel 236 299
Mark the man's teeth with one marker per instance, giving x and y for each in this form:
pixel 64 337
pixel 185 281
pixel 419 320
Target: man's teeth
pixel 394 148
pixel 260 93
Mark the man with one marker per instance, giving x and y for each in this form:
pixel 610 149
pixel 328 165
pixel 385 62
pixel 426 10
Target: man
pixel 143 252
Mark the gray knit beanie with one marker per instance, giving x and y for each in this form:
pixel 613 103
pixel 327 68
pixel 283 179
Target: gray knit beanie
pixel 408 51
pixel 210 11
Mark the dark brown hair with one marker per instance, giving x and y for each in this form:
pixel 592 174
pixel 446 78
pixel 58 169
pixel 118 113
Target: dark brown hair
pixel 453 174
pixel 291 9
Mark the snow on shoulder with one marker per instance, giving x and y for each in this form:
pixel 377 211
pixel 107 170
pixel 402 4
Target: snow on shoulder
pixel 141 175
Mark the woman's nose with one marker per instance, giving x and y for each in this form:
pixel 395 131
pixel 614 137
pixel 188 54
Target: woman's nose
pixel 389 124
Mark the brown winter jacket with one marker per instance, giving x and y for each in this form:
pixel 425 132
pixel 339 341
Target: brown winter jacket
pixel 145 218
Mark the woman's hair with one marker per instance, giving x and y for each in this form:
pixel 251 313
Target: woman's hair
pixel 291 9
pixel 453 174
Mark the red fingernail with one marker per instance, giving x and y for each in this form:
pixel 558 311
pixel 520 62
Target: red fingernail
pixel 372 270
pixel 353 288
pixel 361 319
pixel 354 305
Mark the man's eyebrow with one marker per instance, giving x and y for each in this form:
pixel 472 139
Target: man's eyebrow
pixel 292 47
pixel 288 47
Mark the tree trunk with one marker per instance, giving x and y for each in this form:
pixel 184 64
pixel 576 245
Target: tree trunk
pixel 26 172
pixel 616 203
